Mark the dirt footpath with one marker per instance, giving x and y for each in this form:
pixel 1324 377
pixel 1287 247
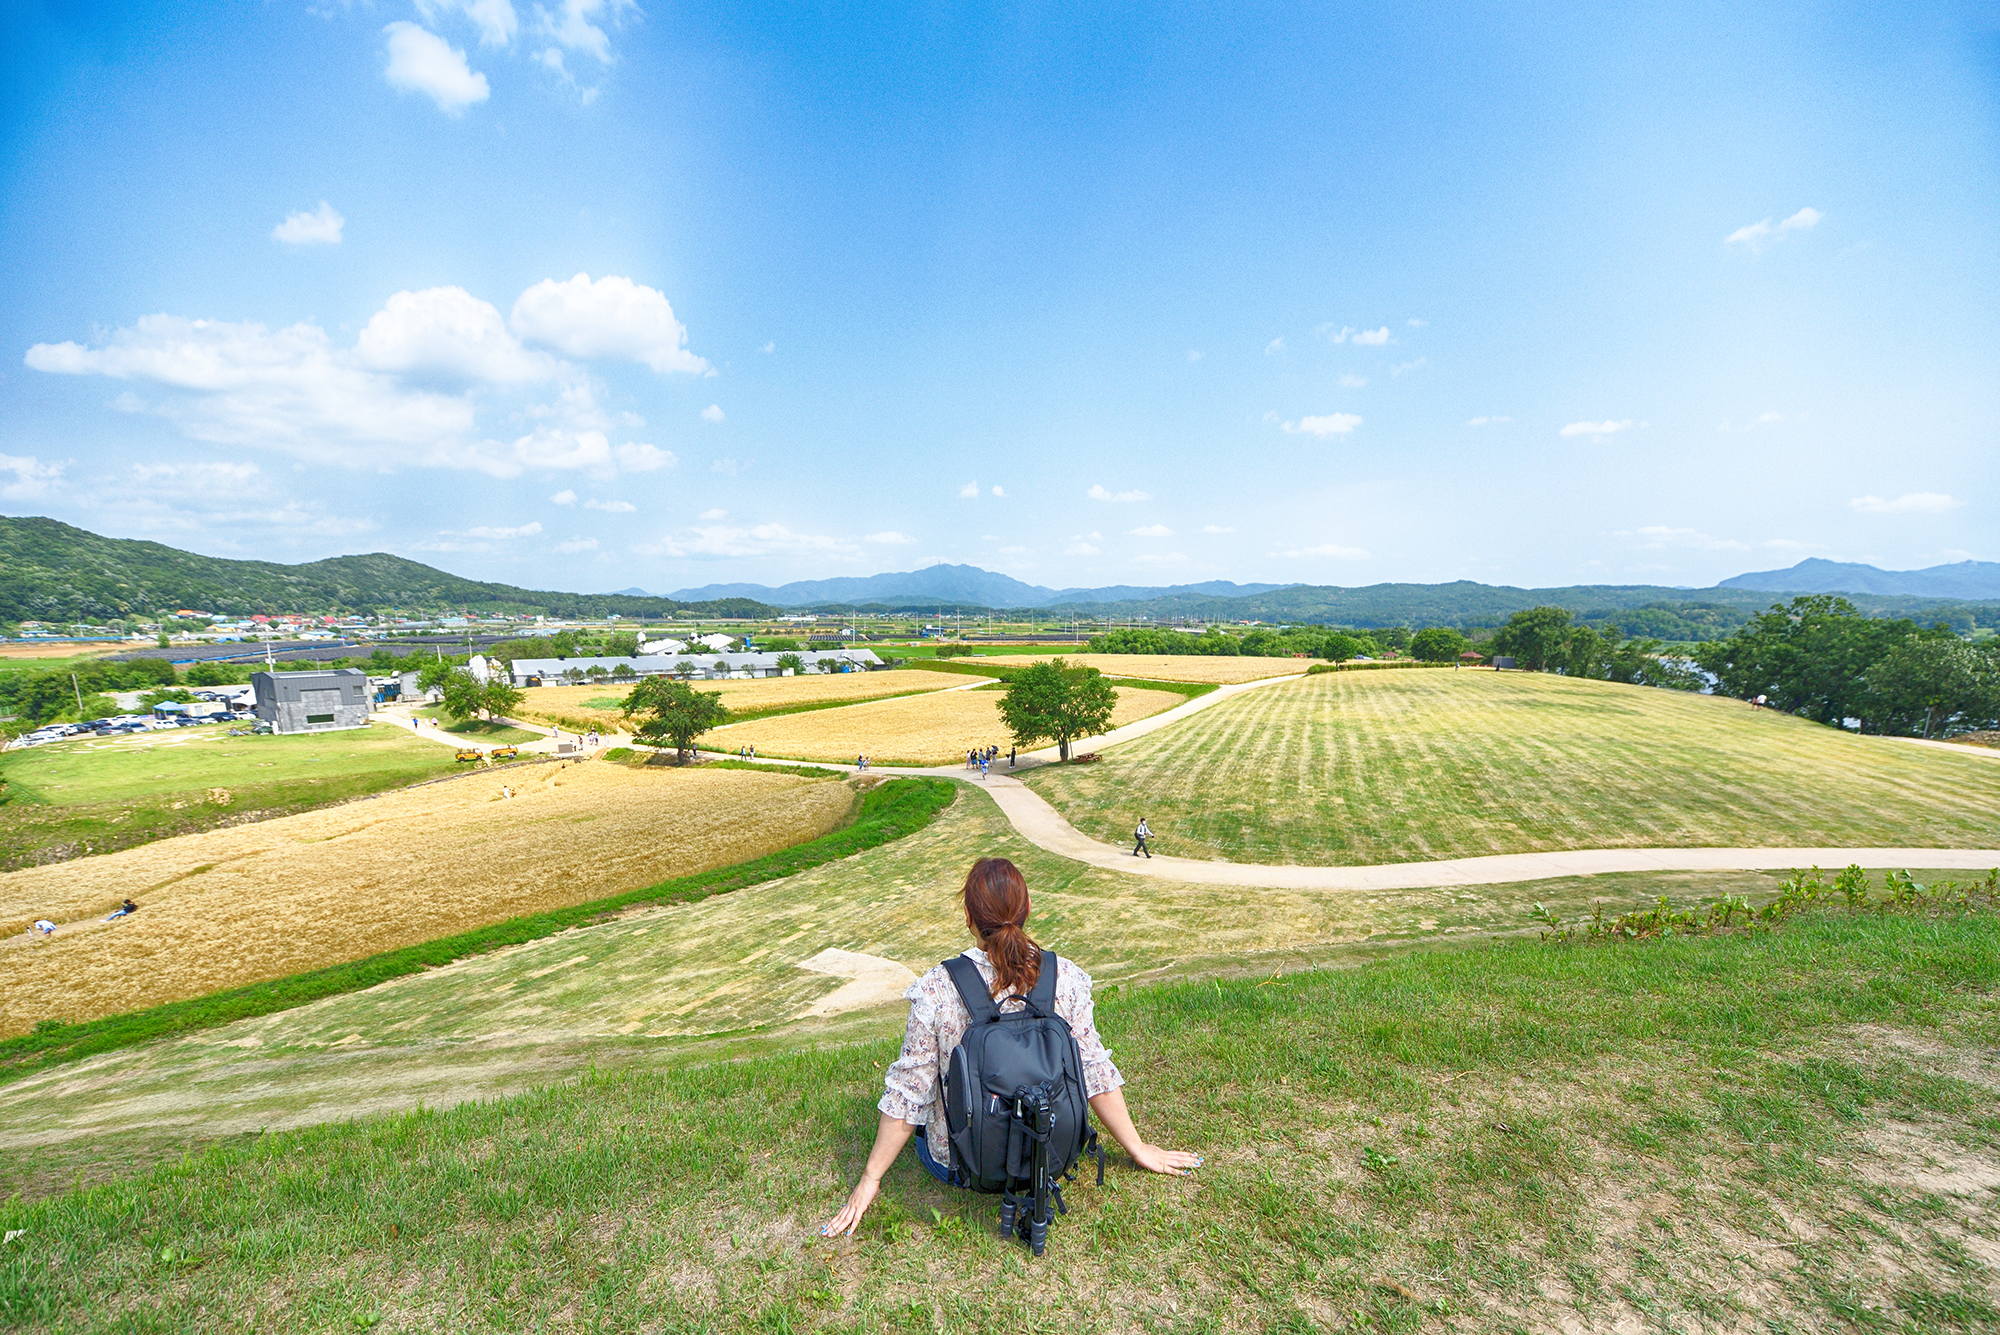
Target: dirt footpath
pixel 236 906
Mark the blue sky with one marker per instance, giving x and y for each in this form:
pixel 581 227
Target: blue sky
pixel 588 295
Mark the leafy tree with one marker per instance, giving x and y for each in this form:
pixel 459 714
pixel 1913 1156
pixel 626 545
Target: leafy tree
pixel 828 665
pixel 792 661
pixel 169 695
pixel 623 672
pixel 685 670
pixel 1437 644
pixel 596 672
pixel 1926 684
pixel 671 711
pixel 780 646
pixel 94 706
pixel 1811 657
pixel 722 666
pixel 573 675
pixel 435 675
pixel 463 696
pixel 624 644
pixel 1339 646
pixel 381 662
pixel 1537 639
pixel 1058 702
pixel 501 696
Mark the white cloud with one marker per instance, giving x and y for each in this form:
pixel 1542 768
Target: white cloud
pixel 1275 345
pixel 1596 430
pixel 1328 332
pixel 636 457
pixel 712 413
pixel 1159 559
pixel 1095 537
pixel 422 62
pixel 1416 365
pixel 33 479
pixel 1217 528
pixel 772 346
pixel 1758 234
pixel 528 530
pixel 495 19
pixel 1079 547
pixel 1328 549
pixel 564 497
pixel 713 514
pixel 727 467
pixel 889 537
pixel 1372 338
pixel 969 491
pixel 571 25
pixel 1415 323
pixel 610 507
pixel 612 317
pixel 1152 531
pixel 999 491
pixel 1330 424
pixel 1195 356
pixel 1352 382
pixel 578 545
pixel 1487 421
pixel 447 329
pixel 203 475
pixel 1909 503
pixel 1098 493
pixel 321 228
pixel 1661 537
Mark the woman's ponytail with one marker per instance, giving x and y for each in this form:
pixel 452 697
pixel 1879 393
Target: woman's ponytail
pixel 996 908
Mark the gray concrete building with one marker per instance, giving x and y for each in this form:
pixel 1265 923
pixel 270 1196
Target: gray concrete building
pixel 312 701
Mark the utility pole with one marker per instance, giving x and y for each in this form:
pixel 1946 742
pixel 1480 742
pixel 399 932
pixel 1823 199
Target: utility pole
pixel 79 696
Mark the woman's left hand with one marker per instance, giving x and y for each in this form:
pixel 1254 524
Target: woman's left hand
pixel 850 1214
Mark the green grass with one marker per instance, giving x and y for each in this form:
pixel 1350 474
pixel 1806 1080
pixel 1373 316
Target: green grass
pixel 1737 1132
pixel 483 729
pixel 887 812
pixel 72 798
pixel 62 663
pixel 1356 768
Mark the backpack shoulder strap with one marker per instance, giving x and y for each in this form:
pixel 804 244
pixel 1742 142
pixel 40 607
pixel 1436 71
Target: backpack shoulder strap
pixel 1042 997
pixel 972 991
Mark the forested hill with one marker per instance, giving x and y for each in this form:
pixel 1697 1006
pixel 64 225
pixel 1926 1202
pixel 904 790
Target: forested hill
pixel 50 571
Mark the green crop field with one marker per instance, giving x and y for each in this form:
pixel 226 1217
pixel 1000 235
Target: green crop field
pixel 1356 768
pixel 96 796
pixel 1783 1132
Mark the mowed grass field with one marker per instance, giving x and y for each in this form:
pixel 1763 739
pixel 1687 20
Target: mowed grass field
pixel 1792 1132
pixel 931 729
pixel 95 795
pixel 1369 767
pixel 1199 668
pixel 603 705
pixel 284 896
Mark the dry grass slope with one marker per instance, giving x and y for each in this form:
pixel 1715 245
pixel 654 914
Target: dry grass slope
pixel 932 729
pixel 1357 768
pixel 1181 667
pixel 260 901
pixel 601 704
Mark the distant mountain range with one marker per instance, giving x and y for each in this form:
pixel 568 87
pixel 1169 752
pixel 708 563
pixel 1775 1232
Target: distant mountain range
pixel 1965 579
pixel 948 585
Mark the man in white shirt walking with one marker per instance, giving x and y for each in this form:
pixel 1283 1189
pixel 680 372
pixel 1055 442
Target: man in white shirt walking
pixel 1140 834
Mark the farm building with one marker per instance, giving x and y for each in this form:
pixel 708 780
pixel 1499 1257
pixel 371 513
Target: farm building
pixel 312 701
pixel 562 671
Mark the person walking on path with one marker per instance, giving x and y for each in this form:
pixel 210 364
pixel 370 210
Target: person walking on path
pixel 1140 834
pixel 1010 756
pixel 982 771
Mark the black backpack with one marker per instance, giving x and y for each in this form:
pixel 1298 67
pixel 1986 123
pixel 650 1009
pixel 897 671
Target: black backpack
pixel 1014 1101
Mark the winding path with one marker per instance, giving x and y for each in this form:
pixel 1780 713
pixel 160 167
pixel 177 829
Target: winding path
pixel 1043 826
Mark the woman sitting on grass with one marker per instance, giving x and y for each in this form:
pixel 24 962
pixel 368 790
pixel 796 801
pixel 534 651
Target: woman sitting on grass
pixel 996 909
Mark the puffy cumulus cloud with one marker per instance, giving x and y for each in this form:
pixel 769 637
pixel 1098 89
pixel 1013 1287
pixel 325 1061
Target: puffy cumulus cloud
pixel 422 62
pixel 610 507
pixel 448 329
pixel 564 497
pixel 970 491
pixel 552 447
pixel 528 530
pixel 735 540
pixel 1101 493
pixel 1909 503
pixel 1217 528
pixel 612 317
pixel 890 538
pixel 571 24
pixel 1151 531
pixel 1078 547
pixel 1324 426
pixel 713 514
pixel 999 491
pixel 1757 235
pixel 288 388
pixel 1596 430
pixel 496 20
pixel 202 475
pixel 575 545
pixel 1372 338
pixel 31 478
pixel 319 228
pixel 712 413
pixel 1331 550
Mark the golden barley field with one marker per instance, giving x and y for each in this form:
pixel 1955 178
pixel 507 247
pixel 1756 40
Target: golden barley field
pixel 1197 668
pixel 932 729
pixel 550 703
pixel 228 907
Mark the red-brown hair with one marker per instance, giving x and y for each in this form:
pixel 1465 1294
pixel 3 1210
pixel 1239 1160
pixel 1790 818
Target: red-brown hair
pixel 996 909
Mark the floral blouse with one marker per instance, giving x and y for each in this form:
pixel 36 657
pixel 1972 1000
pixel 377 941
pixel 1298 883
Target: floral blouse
pixel 914 1085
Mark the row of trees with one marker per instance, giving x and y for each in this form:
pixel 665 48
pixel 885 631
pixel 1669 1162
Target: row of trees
pixel 1550 639
pixel 1334 644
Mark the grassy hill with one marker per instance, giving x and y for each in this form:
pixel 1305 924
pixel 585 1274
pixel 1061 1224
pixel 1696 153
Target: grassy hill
pixel 1350 768
pixel 1790 1131
pixel 51 571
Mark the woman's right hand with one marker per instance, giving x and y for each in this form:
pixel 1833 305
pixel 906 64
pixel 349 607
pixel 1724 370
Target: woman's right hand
pixel 1173 1163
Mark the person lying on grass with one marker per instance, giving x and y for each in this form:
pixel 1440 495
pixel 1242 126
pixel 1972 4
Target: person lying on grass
pixel 996 909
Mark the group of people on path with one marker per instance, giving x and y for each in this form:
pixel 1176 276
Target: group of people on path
pixel 984 756
pixel 46 927
pixel 746 753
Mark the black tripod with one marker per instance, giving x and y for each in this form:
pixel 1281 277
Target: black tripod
pixel 1026 1213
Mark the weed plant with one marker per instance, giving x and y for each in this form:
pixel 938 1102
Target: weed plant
pixel 1800 892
